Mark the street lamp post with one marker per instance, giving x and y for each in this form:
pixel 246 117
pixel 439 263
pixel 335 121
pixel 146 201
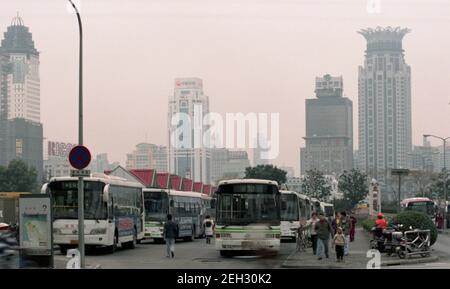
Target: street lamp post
pixel 444 140
pixel 80 142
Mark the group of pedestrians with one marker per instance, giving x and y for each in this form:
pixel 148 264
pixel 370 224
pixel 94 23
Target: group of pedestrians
pixel 341 230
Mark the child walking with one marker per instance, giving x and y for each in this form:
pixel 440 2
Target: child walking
pixel 339 244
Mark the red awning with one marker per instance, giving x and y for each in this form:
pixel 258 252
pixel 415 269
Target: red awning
pixel 176 182
pixel 198 187
pixel 187 185
pixel 146 176
pixel 162 180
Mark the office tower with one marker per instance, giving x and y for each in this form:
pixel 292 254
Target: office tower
pixel 384 93
pixel 329 129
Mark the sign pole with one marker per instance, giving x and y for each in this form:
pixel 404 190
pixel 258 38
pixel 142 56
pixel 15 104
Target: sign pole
pixel 80 142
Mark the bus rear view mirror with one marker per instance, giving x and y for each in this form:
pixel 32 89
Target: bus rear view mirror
pixel 213 203
pixel 172 203
pixel 106 194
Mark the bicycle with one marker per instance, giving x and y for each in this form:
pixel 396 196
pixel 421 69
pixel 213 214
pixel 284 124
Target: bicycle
pixel 302 241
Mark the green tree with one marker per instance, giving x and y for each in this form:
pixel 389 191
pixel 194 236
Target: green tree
pixel 353 184
pixel 315 185
pixel 18 177
pixel 437 185
pixel 266 172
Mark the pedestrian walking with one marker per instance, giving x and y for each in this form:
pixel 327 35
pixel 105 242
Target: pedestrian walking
pixel 208 225
pixel 353 221
pixel 323 229
pixel 346 225
pixel 170 233
pixel 311 224
pixel 339 244
pixel 336 222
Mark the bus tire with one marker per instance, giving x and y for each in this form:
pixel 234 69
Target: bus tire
pixel 224 253
pixel 111 249
pixel 63 249
pixel 132 244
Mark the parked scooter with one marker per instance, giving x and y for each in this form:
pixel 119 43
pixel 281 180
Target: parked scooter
pixel 386 240
pixel 9 258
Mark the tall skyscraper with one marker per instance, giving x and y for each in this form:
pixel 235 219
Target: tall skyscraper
pixel 22 98
pixel 384 93
pixel 228 164
pixel 21 133
pixel 188 155
pixel 148 156
pixel 329 129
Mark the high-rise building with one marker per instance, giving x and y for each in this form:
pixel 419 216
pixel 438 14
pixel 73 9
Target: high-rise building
pixel 148 156
pixel 425 158
pixel 384 92
pixel 329 129
pixel 227 164
pixel 21 133
pixel 22 97
pixel 188 156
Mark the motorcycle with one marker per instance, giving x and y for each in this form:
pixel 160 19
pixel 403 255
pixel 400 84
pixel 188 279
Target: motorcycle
pixel 9 258
pixel 386 240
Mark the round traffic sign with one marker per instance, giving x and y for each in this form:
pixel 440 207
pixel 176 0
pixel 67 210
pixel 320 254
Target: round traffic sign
pixel 79 157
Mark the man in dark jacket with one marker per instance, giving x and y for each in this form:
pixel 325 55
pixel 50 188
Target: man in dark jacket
pixel 170 233
pixel 323 230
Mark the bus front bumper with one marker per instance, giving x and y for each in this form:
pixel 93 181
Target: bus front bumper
pixel 95 240
pixel 272 244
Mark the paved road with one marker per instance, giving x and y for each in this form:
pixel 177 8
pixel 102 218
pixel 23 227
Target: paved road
pixel 192 255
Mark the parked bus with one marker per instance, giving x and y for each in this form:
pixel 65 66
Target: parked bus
pixel 113 212
pixel 424 205
pixel 315 205
pixel 293 213
pixel 186 208
pixel 248 216
pixel 327 209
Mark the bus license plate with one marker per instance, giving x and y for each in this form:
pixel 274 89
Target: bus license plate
pixel 74 242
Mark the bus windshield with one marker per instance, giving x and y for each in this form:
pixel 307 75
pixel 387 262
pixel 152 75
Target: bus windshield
pixel 243 204
pixel 156 206
pixel 289 207
pixel 424 207
pixel 65 200
pixel 329 212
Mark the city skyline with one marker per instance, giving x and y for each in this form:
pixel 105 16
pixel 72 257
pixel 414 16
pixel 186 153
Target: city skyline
pixel 260 72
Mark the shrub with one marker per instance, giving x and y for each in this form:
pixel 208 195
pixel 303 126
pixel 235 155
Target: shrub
pixel 417 220
pixel 367 224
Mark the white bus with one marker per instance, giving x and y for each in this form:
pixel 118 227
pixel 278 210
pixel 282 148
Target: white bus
pixel 113 212
pixel 186 209
pixel 295 211
pixel 248 216
pixel 327 209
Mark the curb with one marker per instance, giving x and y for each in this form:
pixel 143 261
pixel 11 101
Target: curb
pixel 410 261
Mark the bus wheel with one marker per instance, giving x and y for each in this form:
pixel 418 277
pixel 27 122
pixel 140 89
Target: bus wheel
pixel 224 253
pixel 111 249
pixel 63 249
pixel 134 242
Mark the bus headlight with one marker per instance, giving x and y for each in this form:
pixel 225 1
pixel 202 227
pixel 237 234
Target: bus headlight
pixel 57 231
pixel 98 231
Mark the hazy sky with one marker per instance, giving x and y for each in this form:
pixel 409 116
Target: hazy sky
pixel 253 56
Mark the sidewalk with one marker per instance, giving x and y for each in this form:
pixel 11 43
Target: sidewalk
pixel 355 260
